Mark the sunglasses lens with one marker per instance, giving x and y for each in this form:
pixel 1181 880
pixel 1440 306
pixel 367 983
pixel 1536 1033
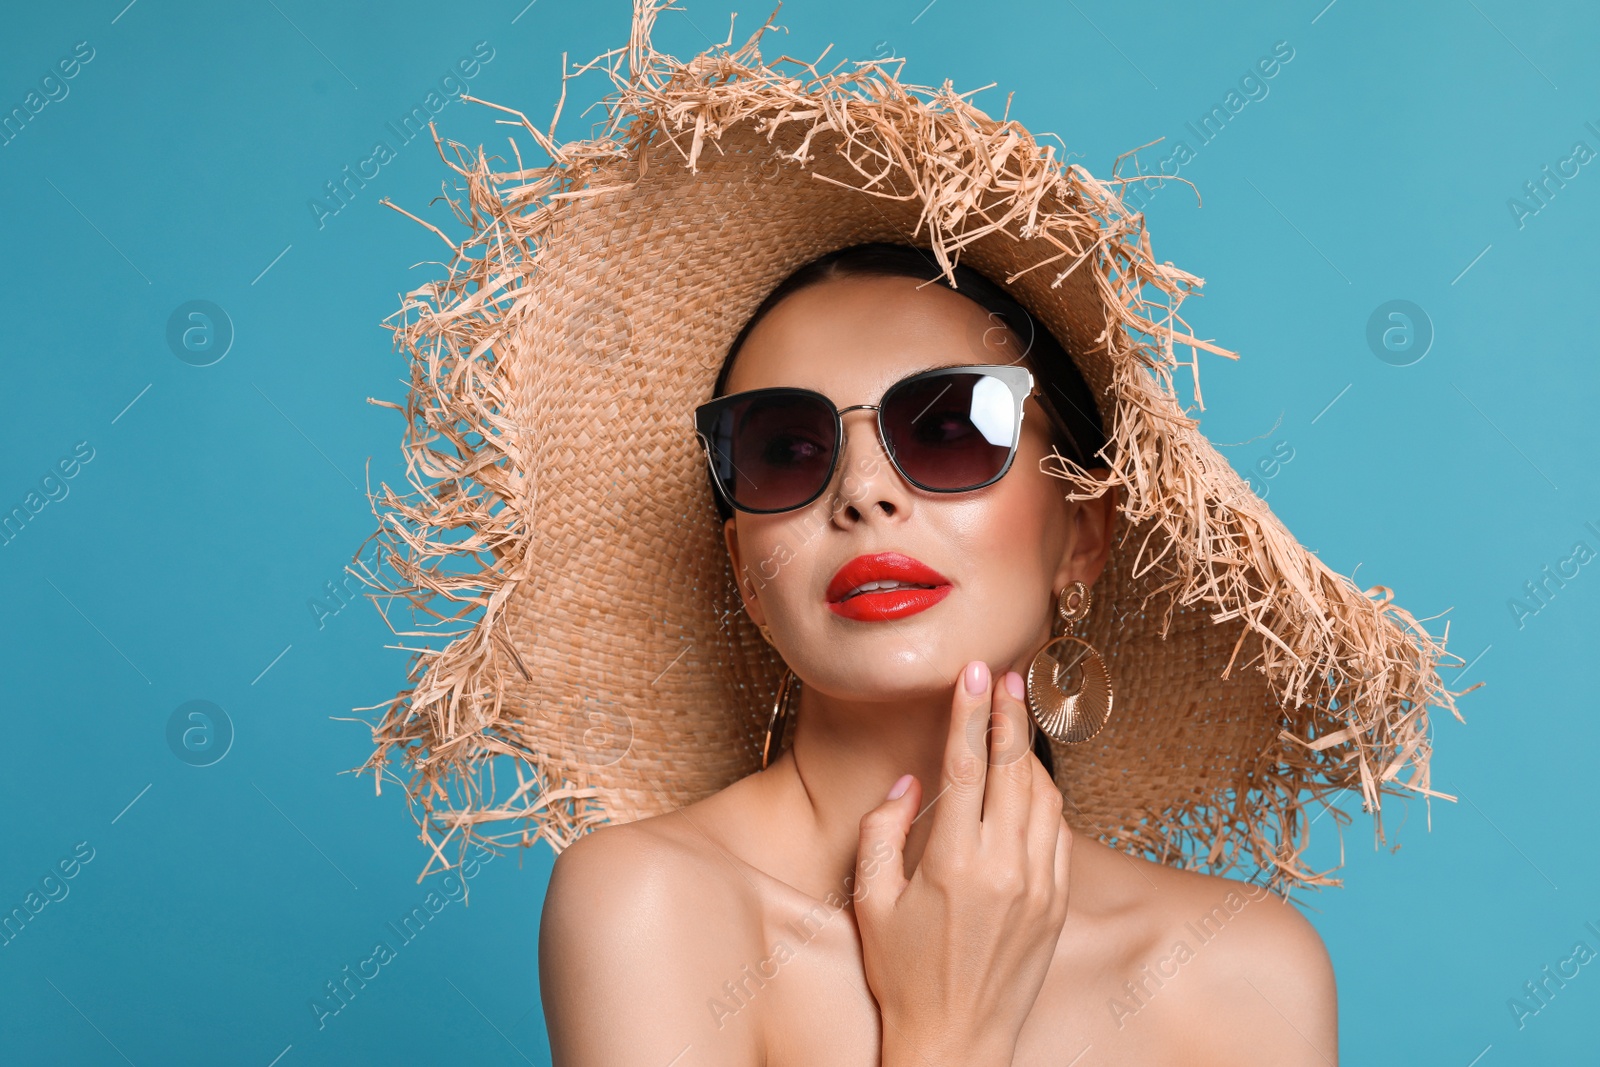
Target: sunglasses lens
pixel 950 432
pixel 772 453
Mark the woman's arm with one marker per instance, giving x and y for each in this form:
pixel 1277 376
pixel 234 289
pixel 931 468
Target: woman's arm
pixel 632 948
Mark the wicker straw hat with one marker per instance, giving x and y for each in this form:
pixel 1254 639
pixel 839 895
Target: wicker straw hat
pixel 600 666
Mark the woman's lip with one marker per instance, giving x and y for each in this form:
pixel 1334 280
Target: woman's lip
pixel 889 604
pixel 885 567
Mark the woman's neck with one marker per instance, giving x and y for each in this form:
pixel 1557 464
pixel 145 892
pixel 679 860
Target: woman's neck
pixel 843 759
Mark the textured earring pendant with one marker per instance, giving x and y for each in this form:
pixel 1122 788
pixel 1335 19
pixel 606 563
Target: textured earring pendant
pixel 782 712
pixel 1069 689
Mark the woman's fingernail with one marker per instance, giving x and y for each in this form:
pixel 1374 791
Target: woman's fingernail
pixel 1014 684
pixel 901 784
pixel 977 675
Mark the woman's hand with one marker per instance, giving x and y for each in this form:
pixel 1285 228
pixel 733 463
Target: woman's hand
pixel 956 954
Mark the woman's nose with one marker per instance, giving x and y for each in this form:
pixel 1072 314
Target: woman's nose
pixel 867 483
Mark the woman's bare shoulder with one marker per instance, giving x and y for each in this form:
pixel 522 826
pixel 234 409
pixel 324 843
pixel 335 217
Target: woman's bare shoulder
pixel 1274 939
pixel 1238 954
pixel 639 929
pixel 654 870
pixel 1168 902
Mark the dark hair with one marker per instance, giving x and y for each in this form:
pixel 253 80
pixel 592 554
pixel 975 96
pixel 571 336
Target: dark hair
pixel 1076 431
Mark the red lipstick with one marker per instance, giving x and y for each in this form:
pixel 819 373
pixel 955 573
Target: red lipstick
pixel 909 586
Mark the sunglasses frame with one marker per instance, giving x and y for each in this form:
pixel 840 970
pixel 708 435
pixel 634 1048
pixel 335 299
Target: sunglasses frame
pixel 1018 380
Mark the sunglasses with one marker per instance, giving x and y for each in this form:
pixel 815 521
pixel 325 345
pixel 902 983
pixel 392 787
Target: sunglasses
pixel 947 430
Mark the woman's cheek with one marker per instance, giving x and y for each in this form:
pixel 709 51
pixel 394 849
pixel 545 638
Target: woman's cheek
pixel 776 569
pixel 1010 526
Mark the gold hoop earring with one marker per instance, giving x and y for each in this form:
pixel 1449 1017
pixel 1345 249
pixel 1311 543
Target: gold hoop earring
pixel 782 712
pixel 1076 715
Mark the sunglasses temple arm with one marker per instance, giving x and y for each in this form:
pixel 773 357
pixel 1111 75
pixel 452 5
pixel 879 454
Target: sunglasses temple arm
pixel 1054 414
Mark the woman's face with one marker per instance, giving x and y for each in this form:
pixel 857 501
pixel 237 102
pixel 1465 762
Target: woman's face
pixel 1004 549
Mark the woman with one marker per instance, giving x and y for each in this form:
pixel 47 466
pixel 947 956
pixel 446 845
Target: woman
pixel 1046 656
pixel 771 922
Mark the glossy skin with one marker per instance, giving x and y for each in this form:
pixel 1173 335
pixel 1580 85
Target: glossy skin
pixel 800 918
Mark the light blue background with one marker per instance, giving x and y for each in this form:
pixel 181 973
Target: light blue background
pixel 180 564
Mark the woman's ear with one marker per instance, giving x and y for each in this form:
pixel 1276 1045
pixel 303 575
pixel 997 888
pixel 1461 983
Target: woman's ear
pixel 1089 547
pixel 741 574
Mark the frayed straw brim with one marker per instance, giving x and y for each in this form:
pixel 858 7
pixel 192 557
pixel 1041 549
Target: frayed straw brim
pixel 560 501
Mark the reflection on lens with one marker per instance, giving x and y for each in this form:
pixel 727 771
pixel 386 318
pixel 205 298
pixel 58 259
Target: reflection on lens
pixel 992 412
pixel 951 431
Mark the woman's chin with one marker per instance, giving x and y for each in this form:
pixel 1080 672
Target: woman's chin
pixel 895 668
